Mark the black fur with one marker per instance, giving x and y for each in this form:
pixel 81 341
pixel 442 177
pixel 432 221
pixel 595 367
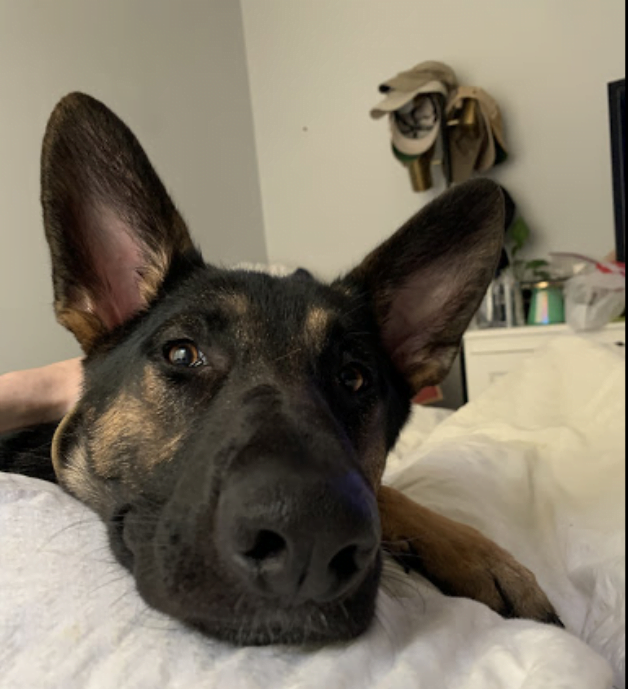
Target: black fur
pixel 27 452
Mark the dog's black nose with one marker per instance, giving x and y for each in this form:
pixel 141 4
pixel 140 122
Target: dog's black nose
pixel 298 537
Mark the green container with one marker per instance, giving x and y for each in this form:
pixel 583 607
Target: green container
pixel 547 305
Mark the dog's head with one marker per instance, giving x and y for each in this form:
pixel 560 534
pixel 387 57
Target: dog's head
pixel 234 426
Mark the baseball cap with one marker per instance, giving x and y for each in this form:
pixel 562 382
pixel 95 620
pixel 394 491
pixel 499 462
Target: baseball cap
pixel 482 146
pixel 416 125
pixel 493 149
pixel 426 77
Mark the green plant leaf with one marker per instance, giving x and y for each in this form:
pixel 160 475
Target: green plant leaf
pixel 536 264
pixel 519 234
pixel 536 267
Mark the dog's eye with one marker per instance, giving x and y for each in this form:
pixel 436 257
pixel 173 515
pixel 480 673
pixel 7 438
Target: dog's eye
pixel 184 354
pixel 353 377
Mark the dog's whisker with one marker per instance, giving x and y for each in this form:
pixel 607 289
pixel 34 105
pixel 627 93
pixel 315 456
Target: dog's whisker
pixel 288 355
pixel 386 626
pixel 80 523
pixel 111 581
pixel 126 594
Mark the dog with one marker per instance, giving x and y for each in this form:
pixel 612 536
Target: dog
pixel 233 426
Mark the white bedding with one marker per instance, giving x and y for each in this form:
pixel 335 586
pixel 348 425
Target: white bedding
pixel 537 463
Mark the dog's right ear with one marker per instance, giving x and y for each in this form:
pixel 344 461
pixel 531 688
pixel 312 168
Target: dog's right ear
pixel 112 229
pixel 428 279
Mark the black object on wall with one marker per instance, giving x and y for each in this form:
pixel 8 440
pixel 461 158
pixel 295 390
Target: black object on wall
pixel 617 114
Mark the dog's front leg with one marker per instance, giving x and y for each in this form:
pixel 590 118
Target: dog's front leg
pixel 459 560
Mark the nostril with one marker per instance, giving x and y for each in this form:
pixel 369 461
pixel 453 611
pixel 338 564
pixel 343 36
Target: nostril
pixel 267 545
pixel 343 565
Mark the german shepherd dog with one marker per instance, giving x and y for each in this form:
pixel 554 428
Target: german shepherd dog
pixel 233 426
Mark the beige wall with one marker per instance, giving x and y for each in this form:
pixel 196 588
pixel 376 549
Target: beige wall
pixel 176 72
pixel 330 187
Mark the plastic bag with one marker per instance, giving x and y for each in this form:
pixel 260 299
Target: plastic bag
pixel 596 296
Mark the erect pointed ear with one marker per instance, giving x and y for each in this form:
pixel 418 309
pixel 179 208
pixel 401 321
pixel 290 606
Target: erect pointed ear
pixel 426 282
pixel 112 229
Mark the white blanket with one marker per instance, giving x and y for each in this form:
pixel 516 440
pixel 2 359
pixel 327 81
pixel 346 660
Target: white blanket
pixel 537 463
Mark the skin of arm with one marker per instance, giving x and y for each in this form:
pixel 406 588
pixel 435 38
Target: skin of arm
pixel 39 395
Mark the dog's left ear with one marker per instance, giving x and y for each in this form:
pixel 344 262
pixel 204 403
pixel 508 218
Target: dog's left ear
pixel 427 281
pixel 113 231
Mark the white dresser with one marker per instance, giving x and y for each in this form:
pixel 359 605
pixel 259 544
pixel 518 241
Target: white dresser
pixel 489 354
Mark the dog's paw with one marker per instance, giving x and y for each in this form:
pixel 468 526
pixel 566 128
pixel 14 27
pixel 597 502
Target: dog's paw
pixel 459 560
pixel 477 568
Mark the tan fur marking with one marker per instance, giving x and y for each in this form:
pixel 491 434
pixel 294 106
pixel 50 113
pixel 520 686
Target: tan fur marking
pixel 152 387
pixel 156 407
pixel 56 441
pixel 121 421
pixel 77 480
pixel 458 558
pixel 425 373
pixel 86 327
pixel 137 422
pixel 316 324
pixel 153 275
pixel 72 473
pixel 238 304
pixel 372 447
pixel 142 421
